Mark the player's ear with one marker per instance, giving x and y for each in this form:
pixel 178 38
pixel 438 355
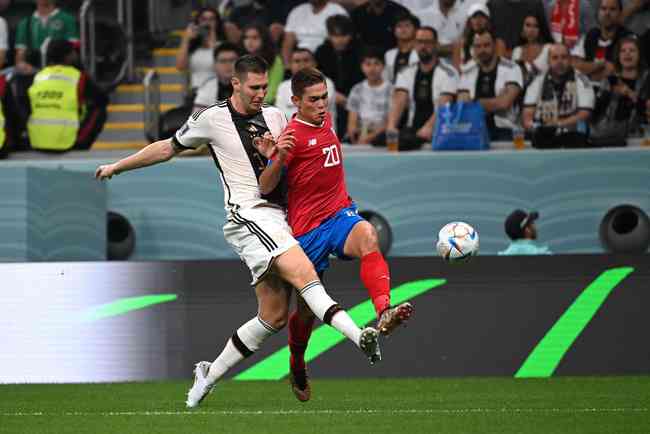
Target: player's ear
pixel 295 100
pixel 235 81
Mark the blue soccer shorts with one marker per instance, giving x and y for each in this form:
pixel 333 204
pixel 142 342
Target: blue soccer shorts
pixel 329 237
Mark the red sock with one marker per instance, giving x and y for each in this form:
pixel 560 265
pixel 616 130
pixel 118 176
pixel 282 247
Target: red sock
pixel 299 333
pixel 376 278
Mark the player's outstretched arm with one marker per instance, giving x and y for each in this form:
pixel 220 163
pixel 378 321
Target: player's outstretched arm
pixel 270 177
pixel 157 152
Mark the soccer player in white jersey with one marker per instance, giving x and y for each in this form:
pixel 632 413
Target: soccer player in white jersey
pixel 256 226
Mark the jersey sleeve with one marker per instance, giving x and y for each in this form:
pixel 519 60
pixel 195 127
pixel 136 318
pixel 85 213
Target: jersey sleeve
pixel 515 76
pixel 292 21
pixel 405 80
pixel 194 133
pixel 445 82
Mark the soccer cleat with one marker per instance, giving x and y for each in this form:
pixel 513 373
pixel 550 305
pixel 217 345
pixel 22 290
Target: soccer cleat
pixel 201 386
pixel 300 384
pixel 393 317
pixel 369 344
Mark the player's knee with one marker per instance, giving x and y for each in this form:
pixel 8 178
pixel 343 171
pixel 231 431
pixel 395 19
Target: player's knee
pixel 370 240
pixel 277 320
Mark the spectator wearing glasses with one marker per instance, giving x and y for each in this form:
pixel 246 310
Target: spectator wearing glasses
pixel 219 87
pixel 419 90
pixel 521 229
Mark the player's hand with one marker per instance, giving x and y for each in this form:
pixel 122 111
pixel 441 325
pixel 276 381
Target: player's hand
pixel 265 144
pixel 285 144
pixel 105 172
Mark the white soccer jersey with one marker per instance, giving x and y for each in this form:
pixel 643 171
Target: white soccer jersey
pixel 229 136
pixel 445 82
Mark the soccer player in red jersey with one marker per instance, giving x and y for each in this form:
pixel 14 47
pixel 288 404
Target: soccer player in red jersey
pixel 323 217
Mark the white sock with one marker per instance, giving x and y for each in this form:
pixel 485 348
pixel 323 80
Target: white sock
pixel 319 302
pixel 342 322
pixel 246 340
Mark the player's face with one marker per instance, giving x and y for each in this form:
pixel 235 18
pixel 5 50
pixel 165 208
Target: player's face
pixel 251 90
pixel 372 69
pixel 312 107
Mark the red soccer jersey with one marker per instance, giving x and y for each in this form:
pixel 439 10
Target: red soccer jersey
pixel 315 176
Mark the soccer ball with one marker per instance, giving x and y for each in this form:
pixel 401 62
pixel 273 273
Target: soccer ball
pixel 457 242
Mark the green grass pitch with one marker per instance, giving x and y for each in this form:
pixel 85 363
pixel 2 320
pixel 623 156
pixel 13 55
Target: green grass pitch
pixel 469 405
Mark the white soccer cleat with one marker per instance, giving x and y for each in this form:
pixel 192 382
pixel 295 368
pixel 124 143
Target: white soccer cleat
pixel 369 344
pixel 201 386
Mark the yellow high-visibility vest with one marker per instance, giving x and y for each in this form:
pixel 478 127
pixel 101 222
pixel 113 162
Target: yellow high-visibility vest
pixel 54 122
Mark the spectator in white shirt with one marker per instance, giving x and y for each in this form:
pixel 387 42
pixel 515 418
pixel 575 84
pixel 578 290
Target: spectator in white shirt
pixel 419 89
pixel 558 104
pixel 219 87
pixel 496 83
pixel 369 101
pixel 532 50
pixel 404 54
pixel 4 42
pixel 306 26
pixel 448 17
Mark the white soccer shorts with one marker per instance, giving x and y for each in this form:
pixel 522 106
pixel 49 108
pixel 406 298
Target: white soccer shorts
pixel 258 235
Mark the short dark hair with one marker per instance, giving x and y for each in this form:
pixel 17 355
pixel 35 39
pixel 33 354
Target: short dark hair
pixel 305 78
pixel 372 52
pixel 430 29
pixel 407 16
pixel 226 46
pixel 58 50
pixel 490 32
pixel 303 50
pixel 250 63
pixel 339 25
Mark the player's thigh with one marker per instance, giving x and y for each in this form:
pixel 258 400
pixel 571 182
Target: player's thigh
pixel 273 297
pixel 361 240
pixel 259 236
pixel 295 267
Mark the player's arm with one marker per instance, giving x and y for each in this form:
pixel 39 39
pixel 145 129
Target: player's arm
pixel 157 152
pixel 270 177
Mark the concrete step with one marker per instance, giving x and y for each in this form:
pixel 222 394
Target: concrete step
pixel 120 113
pixel 102 145
pixel 167 74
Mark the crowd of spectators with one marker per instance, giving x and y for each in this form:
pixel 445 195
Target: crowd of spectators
pixel 392 63
pixel 567 82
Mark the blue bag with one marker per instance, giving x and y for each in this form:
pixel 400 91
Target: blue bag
pixel 460 127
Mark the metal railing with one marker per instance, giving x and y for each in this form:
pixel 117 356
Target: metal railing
pixel 151 85
pixel 88 36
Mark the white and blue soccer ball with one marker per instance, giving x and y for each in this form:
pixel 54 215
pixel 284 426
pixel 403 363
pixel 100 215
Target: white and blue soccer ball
pixel 457 242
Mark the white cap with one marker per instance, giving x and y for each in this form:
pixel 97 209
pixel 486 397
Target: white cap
pixel 476 8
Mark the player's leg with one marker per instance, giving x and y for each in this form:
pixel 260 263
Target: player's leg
pixel 295 267
pixel 362 242
pixel 301 322
pixel 273 307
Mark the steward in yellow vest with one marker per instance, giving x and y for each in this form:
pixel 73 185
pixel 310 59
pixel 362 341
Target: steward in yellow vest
pixel 60 107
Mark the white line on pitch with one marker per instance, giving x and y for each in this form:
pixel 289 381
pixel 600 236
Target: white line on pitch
pixel 452 411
